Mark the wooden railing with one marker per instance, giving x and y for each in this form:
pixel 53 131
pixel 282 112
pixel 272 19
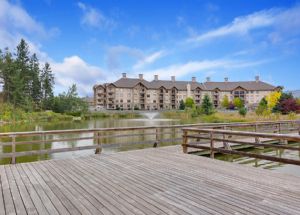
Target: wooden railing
pixel 193 137
pixel 100 138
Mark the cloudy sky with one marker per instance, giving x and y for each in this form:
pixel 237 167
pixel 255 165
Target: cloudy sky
pixel 94 41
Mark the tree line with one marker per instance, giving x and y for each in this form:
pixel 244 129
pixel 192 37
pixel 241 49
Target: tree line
pixel 29 85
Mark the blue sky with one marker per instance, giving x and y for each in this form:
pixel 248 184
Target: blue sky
pixel 94 41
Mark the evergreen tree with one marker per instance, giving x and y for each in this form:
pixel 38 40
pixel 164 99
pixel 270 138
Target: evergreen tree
pixel 47 83
pixel 36 88
pixel 181 105
pixel 206 106
pixel 262 108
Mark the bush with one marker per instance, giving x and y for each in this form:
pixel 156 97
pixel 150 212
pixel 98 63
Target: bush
pixel 239 103
pixel 262 107
pixel 189 103
pixel 225 102
pixel 243 111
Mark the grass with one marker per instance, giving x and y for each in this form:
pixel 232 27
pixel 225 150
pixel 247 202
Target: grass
pixel 220 117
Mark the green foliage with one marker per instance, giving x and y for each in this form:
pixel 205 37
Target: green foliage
pixel 243 111
pixel 262 108
pixel 225 102
pixel 189 102
pixel 25 85
pixel 239 103
pixel 69 103
pixel 181 105
pixel 207 106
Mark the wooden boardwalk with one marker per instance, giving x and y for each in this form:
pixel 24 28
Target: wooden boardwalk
pixel 149 181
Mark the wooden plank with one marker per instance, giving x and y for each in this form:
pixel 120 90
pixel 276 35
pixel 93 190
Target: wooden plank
pixel 32 192
pixel 40 190
pixel 8 200
pixel 55 201
pixel 19 206
pixel 2 208
pixel 29 205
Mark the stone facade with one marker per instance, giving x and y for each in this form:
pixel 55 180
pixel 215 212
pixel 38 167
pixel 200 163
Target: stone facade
pixel 137 93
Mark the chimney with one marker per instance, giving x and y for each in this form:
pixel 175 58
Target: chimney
pixel 124 75
pixel 141 76
pixel 257 78
pixel 193 79
pixel 155 77
pixel 207 79
pixel 226 79
pixel 173 78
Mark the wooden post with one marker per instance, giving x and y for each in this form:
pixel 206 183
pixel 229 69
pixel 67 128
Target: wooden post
pixel 99 147
pixel 212 153
pixel 279 128
pixel 257 140
pixel 13 149
pixel 156 138
pixel 256 128
pixel 185 141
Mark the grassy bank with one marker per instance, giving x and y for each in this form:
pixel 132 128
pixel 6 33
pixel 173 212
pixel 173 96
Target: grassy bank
pixel 114 114
pixel 187 116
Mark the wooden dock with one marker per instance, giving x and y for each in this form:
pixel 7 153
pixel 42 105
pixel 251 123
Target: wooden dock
pixel 149 181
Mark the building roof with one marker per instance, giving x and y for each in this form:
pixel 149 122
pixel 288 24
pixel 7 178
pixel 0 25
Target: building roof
pixel 182 85
pixel 248 85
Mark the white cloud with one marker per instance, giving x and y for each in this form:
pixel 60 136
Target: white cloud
pixel 280 20
pixel 149 59
pixel 240 26
pixel 205 66
pixel 74 70
pixel 94 18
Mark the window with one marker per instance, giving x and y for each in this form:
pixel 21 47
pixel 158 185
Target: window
pixel 148 95
pixel 121 100
pixel 154 101
pixel 128 101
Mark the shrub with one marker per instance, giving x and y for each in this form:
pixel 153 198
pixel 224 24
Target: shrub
pixel 243 111
pixel 189 103
pixel 238 103
pixel 181 105
pixel 225 102
pixel 262 107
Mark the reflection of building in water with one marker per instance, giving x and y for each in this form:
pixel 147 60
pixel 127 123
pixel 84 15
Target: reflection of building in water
pixel 137 93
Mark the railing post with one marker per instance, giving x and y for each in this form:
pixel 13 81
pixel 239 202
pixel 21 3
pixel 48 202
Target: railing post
pixel 255 127
pixel 212 153
pixel 13 149
pixel 279 128
pixel 185 141
pixel 99 147
pixel 257 140
pixel 156 138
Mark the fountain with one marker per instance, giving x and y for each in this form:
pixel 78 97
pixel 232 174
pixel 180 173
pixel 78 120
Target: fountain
pixel 150 115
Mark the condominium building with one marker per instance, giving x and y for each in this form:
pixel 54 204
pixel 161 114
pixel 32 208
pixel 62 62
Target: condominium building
pixel 138 93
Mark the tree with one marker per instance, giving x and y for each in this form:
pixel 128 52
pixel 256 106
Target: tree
pixel 189 102
pixel 239 103
pixel 181 105
pixel 225 102
pixel 290 105
pixel 69 102
pixel 36 88
pixel 262 107
pixel 279 106
pixel 206 106
pixel 47 83
pixel 243 111
pixel 273 99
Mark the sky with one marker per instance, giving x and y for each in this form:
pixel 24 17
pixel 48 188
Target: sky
pixel 90 42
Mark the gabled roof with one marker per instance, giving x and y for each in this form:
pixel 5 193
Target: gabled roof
pixel 248 85
pixel 130 82
pixel 180 85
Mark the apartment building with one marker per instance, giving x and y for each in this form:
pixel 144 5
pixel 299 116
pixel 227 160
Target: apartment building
pixel 138 93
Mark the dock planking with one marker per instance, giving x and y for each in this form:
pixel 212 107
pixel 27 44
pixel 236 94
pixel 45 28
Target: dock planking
pixel 148 181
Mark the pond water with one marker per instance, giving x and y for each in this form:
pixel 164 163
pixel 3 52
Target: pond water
pixel 148 119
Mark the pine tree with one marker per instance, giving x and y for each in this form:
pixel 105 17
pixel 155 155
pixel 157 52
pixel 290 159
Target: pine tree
pixel 47 83
pixel 36 90
pixel 206 106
